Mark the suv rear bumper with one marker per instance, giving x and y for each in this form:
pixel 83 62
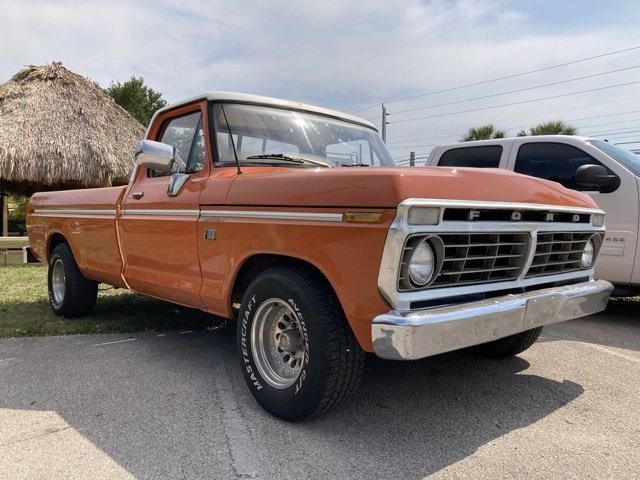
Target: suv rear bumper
pixel 422 333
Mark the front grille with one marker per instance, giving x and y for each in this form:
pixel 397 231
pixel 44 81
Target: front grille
pixel 559 252
pixel 472 258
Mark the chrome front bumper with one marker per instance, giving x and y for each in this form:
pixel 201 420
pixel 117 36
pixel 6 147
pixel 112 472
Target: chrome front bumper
pixel 422 333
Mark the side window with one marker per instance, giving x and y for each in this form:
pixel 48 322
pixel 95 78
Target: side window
pixel 554 161
pixel 186 135
pixel 479 157
pixel 197 158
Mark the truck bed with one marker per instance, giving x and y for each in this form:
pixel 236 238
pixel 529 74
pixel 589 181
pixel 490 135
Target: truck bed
pixel 87 219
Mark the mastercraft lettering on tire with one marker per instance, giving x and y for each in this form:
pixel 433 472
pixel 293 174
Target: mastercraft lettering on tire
pixel 264 214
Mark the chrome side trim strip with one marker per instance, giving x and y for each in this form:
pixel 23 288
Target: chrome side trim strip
pixel 157 212
pixel 274 215
pixel 258 214
pixel 62 212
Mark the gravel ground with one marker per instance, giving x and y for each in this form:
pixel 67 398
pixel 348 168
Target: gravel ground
pixel 174 405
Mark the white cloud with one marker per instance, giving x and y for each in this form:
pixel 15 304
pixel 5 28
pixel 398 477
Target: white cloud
pixel 339 54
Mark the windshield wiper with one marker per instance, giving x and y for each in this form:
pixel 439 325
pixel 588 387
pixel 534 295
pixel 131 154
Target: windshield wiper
pixel 287 158
pixel 355 165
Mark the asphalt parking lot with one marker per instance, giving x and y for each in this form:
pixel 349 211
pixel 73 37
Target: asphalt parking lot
pixel 175 406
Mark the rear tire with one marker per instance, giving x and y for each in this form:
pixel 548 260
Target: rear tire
pixel 297 352
pixel 509 346
pixel 71 294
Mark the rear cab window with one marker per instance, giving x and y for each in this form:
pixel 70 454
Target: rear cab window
pixel 478 157
pixel 554 161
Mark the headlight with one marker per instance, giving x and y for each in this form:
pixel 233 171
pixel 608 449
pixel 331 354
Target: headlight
pixel 588 254
pixel 422 264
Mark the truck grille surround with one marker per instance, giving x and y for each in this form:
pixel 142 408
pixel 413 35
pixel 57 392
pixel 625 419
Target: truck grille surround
pixel 477 258
pixel 481 249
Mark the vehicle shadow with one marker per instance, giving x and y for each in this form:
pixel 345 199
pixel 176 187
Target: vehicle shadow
pixel 618 326
pixel 413 419
pixel 154 406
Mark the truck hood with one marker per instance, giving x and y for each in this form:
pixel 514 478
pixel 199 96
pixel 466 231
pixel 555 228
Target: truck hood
pixel 374 187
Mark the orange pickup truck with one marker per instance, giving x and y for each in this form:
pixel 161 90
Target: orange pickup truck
pixel 294 221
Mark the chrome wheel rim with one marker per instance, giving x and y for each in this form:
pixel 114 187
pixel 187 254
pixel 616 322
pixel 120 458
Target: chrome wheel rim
pixel 277 343
pixel 57 280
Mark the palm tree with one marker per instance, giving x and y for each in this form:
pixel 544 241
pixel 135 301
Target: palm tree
pixel 484 132
pixel 553 127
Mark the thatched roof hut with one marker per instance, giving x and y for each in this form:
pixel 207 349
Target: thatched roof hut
pixel 57 131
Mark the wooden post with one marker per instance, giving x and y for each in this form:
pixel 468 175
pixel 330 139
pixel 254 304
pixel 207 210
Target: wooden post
pixel 4 203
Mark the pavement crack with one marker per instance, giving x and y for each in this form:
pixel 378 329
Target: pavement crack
pixel 237 434
pixel 49 431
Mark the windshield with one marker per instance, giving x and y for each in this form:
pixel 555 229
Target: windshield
pixel 259 134
pixel 625 157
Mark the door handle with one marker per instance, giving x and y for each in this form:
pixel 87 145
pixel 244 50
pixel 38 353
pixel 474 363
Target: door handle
pixel 137 195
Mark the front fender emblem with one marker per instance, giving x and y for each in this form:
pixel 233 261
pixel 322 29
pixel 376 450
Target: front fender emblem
pixel 209 233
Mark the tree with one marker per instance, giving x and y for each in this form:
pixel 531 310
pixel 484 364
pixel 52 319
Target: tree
pixel 553 127
pixel 17 213
pixel 484 132
pixel 140 100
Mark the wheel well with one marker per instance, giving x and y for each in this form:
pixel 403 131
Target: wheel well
pixel 55 240
pixel 260 262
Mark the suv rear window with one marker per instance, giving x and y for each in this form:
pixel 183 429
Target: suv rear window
pixel 479 157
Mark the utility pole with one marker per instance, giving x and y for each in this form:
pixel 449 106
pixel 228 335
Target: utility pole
pixel 384 123
pixel 412 159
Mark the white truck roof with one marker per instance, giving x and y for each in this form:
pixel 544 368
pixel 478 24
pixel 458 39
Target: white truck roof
pixel 500 141
pixel 268 101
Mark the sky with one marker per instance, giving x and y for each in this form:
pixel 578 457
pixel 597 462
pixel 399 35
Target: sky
pixel 350 55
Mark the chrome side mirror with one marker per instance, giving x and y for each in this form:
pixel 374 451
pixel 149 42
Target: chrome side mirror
pixel 159 157
pixel 163 158
pixel 176 182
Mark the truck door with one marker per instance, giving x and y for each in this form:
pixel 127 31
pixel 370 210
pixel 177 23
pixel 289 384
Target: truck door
pixel 558 161
pixel 159 232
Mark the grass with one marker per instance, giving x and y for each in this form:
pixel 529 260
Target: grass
pixel 25 310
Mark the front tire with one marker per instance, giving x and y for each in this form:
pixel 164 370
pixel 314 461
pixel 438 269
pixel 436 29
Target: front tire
pixel 509 346
pixel 298 355
pixel 71 294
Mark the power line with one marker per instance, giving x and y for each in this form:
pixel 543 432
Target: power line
pixel 591 105
pixel 517 103
pixel 517 91
pixel 601 134
pixel 457 132
pixel 604 134
pixel 627 143
pixel 605 124
pixel 505 77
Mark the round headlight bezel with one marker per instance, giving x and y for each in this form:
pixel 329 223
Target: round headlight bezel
pixel 436 248
pixel 590 245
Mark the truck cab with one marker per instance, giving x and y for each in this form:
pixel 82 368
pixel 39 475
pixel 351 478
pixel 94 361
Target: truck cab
pixel 562 159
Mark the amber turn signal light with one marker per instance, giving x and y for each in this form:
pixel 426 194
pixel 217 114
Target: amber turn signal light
pixel 363 217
